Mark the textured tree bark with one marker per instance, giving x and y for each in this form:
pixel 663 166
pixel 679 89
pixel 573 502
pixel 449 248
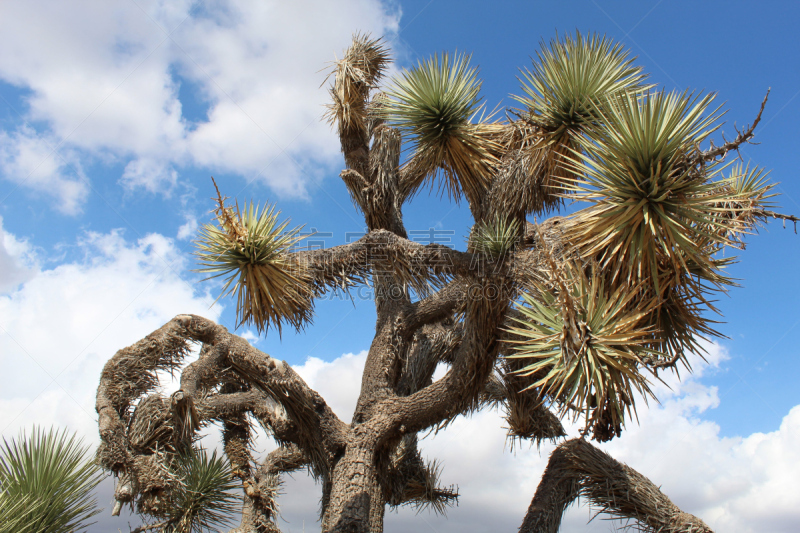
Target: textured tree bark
pixel 356 503
pixel 577 468
pixel 260 510
pixel 556 491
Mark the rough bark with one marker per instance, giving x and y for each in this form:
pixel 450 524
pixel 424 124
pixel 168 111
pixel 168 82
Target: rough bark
pixel 260 510
pixel 577 468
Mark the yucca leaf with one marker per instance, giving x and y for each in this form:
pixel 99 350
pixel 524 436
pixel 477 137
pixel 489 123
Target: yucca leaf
pixel 651 210
pixel 585 344
pixel 358 72
pixel 656 217
pixel 252 250
pixel 435 103
pixel 572 78
pixel 203 500
pixel 495 238
pixel 46 483
pixel 569 80
pixel 746 197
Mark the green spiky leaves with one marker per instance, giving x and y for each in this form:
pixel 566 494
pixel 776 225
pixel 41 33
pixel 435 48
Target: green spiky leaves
pixel 495 238
pixel 572 78
pixel 657 218
pixel 747 200
pixel 435 104
pixel 436 99
pixel 203 500
pixel 46 483
pixel 585 346
pixel 251 248
pixel 653 211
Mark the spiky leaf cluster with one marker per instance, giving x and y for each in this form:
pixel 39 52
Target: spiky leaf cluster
pixel 203 500
pixel 653 211
pixel 747 197
pixel 571 79
pixel 424 491
pixel 46 483
pixel 585 345
pixel 561 94
pixel 355 75
pixel 495 238
pixel 435 104
pixel 657 218
pixel 251 248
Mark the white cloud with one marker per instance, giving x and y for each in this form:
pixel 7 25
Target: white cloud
pixel 188 229
pixel 17 260
pixel 61 325
pixel 338 381
pixel 105 79
pixel 149 174
pixel 40 164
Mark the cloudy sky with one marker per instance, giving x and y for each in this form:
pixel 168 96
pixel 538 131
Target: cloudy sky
pixel 114 115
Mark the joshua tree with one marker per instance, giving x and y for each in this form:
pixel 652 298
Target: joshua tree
pixel 571 317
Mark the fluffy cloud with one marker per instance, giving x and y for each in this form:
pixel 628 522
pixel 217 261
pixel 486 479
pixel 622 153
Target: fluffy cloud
pixel 17 261
pixel 61 325
pixel 152 175
pixel 108 79
pixel 338 381
pixel 37 162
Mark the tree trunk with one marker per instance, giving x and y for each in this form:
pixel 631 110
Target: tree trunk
pixel 356 503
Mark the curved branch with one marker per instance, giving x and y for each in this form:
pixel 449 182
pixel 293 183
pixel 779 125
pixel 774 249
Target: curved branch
pixel 130 373
pixel 437 306
pixel 432 344
pixel 577 468
pixel 261 509
pixel 319 429
pixel 473 361
pixel 136 443
pixel 557 489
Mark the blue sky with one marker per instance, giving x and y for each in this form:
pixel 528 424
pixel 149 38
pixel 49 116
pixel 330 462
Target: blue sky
pixel 113 119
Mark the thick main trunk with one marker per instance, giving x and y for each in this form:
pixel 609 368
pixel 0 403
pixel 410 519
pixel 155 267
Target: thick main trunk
pixel 356 502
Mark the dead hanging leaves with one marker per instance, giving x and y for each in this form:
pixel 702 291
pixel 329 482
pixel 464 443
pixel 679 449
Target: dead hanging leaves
pixel 584 344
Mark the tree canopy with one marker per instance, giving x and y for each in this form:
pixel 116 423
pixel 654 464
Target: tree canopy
pixel 572 318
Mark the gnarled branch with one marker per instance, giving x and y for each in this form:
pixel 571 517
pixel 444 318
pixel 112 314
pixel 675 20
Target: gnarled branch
pixel 576 468
pixel 319 429
pixel 742 137
pixel 384 251
pixel 136 443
